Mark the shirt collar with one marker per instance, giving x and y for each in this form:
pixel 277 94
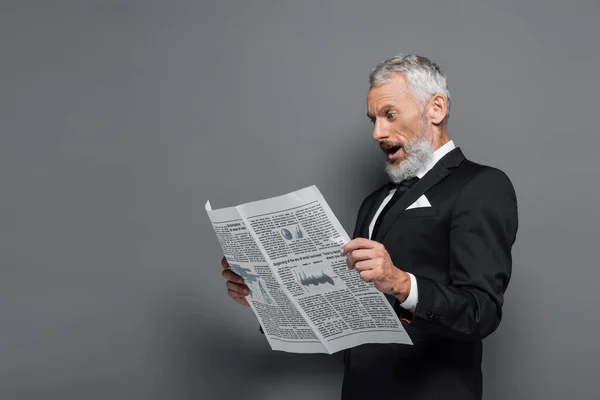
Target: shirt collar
pixel 437 156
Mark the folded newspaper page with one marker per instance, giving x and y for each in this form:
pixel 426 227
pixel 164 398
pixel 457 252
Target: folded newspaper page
pixel 288 251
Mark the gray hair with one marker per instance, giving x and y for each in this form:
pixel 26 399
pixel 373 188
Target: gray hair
pixel 424 77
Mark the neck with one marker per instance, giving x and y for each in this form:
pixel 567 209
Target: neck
pixel 440 136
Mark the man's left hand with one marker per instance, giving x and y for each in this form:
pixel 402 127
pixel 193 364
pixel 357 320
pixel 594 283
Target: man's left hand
pixel 373 262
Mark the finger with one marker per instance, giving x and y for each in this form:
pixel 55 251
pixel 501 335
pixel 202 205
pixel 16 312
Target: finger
pixel 242 290
pixel 242 300
pixel 237 297
pixel 359 255
pixel 224 263
pixel 359 243
pixel 363 254
pixel 232 276
pixel 366 265
pixel 367 275
pixel 350 261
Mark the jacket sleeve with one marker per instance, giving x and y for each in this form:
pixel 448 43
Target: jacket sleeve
pixel 483 228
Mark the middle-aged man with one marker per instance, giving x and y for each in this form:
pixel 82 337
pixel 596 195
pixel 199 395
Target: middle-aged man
pixel 436 240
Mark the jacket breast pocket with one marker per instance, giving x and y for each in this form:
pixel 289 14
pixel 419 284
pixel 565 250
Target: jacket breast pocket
pixel 418 212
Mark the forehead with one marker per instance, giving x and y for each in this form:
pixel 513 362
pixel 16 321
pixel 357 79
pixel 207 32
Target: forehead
pixel 396 90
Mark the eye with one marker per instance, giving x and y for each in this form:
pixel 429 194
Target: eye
pixel 391 115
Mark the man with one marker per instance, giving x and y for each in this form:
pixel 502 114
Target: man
pixel 436 240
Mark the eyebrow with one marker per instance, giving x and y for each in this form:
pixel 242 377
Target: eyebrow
pixel 383 109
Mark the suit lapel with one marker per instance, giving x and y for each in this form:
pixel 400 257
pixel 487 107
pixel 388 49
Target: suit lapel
pixel 440 170
pixel 365 220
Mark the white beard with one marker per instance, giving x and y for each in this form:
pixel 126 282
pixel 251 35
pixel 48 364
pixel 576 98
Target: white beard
pixel 418 155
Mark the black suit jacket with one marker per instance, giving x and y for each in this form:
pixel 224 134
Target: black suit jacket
pixel 459 250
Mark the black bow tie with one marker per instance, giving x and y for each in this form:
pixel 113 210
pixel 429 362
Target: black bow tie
pixel 405 184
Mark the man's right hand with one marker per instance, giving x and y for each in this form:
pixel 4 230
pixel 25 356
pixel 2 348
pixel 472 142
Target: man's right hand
pixel 236 288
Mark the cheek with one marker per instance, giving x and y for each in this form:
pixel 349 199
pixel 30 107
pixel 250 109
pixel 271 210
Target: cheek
pixel 406 129
pixel 401 130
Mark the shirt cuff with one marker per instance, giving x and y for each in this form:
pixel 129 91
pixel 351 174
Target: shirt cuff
pixel 411 301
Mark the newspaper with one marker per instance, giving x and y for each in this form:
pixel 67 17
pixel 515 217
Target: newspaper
pixel 307 300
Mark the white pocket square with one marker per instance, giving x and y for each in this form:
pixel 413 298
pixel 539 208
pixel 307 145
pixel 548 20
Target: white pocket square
pixel 421 202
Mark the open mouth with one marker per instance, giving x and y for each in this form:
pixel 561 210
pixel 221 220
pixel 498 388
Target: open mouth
pixel 391 151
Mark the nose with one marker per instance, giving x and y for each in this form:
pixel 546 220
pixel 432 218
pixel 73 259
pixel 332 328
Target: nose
pixel 379 131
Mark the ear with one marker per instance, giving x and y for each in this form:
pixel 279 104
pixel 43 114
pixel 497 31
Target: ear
pixel 438 108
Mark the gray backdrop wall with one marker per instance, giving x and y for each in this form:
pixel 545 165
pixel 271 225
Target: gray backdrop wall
pixel 119 119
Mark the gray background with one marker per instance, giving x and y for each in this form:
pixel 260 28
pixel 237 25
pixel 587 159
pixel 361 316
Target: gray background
pixel 119 119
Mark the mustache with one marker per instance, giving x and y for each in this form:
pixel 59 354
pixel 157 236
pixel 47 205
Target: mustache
pixel 389 145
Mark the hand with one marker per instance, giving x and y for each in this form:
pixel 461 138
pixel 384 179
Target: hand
pixel 374 264
pixel 236 288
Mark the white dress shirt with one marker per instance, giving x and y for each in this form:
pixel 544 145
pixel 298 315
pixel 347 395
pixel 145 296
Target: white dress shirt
pixel 412 300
